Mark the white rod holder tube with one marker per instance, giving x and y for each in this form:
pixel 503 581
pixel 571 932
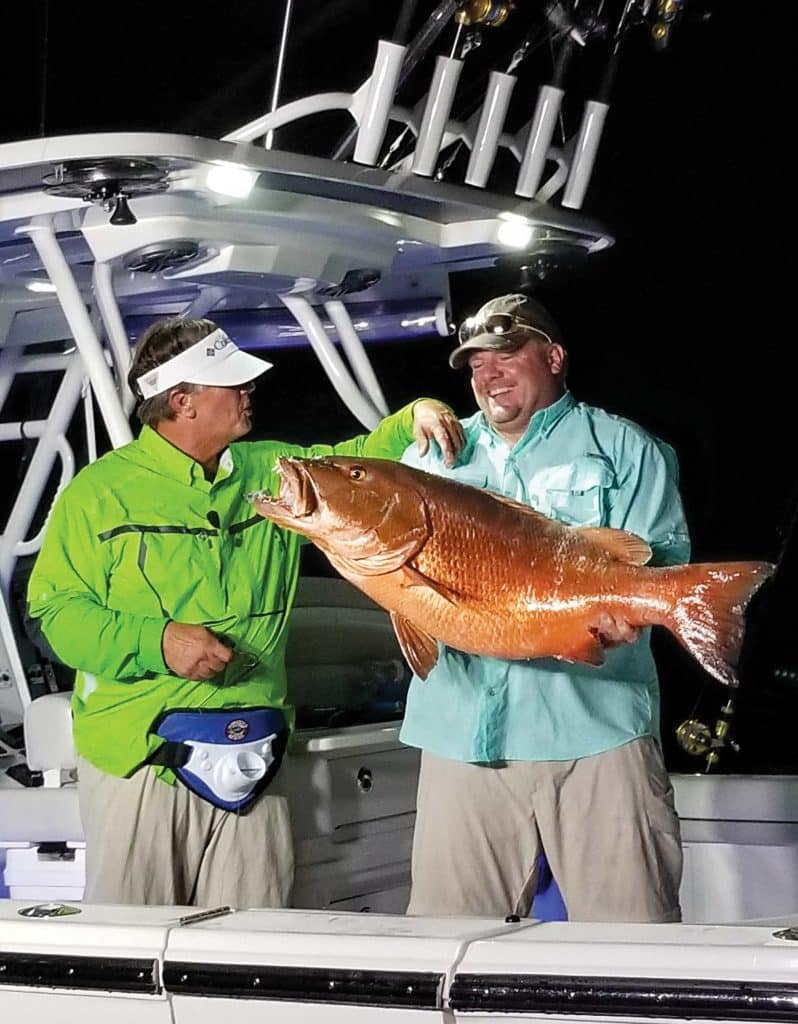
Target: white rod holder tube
pixel 491 121
pixel 540 135
pixel 373 121
pixel 436 114
pixel 91 351
pixel 307 318
pixel 590 132
pixel 102 282
pixel 356 354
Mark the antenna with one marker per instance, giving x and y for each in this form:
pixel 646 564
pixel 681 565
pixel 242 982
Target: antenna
pixel 278 73
pixel 45 52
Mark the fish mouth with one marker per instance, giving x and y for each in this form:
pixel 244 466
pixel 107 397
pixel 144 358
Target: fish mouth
pixel 297 498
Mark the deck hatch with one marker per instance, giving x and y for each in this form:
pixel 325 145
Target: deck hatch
pixel 665 998
pixel 306 985
pixel 88 973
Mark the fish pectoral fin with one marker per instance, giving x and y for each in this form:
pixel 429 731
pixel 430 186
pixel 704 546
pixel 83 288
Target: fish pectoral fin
pixel 620 544
pixel 379 563
pixel 418 647
pixel 413 577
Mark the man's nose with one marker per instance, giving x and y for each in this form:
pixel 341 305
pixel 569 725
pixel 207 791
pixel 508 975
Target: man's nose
pixel 488 371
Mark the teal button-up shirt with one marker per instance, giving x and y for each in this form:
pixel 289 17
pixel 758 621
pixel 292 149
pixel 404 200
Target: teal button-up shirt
pixel 585 467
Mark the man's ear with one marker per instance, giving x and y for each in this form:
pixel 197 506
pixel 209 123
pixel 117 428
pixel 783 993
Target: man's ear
pixel 556 358
pixel 181 404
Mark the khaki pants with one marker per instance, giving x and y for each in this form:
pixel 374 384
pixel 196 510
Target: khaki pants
pixel 607 824
pixel 155 844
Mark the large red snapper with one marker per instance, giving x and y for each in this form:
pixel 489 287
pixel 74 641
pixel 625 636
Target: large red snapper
pixel 487 575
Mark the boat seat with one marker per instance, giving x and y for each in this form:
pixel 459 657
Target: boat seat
pixel 49 747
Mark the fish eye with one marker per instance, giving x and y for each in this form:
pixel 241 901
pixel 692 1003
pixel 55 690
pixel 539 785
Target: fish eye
pixel 357 473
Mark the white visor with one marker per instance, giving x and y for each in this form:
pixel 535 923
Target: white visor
pixel 215 360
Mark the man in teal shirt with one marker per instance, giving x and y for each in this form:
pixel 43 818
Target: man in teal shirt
pixel 531 756
pixel 171 598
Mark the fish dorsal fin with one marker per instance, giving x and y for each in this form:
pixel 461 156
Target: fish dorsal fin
pixel 379 563
pixel 418 647
pixel 619 544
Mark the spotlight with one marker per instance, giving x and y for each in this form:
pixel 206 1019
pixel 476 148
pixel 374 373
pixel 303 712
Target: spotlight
pixel 231 180
pixel 514 231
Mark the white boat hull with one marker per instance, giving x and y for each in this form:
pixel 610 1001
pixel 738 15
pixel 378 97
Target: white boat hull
pixel 175 964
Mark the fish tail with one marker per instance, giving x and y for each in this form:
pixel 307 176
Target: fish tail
pixel 709 613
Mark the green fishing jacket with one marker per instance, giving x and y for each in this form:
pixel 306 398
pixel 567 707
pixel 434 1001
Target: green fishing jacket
pixel 140 537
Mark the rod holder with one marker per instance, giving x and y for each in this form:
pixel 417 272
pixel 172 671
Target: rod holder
pixel 436 114
pixel 590 132
pixel 540 135
pixel 491 121
pixel 373 122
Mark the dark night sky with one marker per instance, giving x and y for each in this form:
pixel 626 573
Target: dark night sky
pixel 674 326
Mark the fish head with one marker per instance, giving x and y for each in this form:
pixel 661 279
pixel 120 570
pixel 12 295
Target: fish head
pixel 366 513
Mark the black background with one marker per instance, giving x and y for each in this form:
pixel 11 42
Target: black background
pixel 677 326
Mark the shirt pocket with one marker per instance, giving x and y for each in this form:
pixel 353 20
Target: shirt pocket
pixel 575 493
pixel 468 475
pixel 144 579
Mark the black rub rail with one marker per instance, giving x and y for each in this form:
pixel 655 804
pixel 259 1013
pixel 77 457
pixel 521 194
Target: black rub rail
pixel 416 989
pixel 660 998
pixel 87 973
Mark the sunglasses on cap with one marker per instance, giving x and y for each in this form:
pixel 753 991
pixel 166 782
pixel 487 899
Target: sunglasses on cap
pixel 500 324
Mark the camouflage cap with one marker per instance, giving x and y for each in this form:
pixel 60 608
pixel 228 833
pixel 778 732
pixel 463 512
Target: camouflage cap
pixel 504 324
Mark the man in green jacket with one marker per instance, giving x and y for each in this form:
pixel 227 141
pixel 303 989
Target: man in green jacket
pixel 171 598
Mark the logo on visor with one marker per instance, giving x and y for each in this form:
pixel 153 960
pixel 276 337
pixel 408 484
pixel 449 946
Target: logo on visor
pixel 218 345
pixel 236 730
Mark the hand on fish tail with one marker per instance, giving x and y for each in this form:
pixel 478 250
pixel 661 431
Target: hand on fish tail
pixel 708 617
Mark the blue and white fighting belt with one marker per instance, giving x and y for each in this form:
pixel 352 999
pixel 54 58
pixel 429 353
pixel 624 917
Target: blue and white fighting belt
pixel 227 757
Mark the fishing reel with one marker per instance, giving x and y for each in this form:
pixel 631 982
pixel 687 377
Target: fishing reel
pixel 660 18
pixel 484 12
pixel 666 15
pixel 696 738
